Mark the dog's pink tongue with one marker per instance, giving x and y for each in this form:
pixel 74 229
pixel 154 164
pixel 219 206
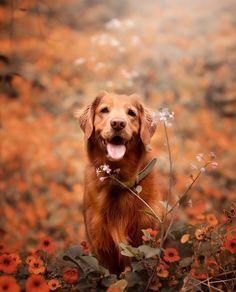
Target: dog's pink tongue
pixel 116 151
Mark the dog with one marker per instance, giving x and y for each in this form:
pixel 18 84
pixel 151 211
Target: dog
pixel 117 131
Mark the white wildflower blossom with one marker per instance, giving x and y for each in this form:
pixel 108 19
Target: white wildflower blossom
pixel 102 178
pixel 166 117
pixel 114 23
pixel 79 61
pixel 200 156
pixel 129 23
pixel 202 169
pixel 214 164
pixel 212 155
pixel 106 168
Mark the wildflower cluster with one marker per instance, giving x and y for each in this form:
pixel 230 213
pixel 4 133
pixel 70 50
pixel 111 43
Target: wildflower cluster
pixel 166 117
pixel 104 171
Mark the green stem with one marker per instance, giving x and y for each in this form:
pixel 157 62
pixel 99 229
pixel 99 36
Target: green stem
pixel 137 196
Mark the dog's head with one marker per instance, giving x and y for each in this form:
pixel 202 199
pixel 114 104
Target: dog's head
pixel 116 122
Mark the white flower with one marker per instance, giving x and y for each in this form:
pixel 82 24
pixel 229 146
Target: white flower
pixel 212 155
pixel 200 156
pixel 102 178
pixel 214 164
pixel 106 168
pixel 79 61
pixel 202 169
pixel 114 23
pixel 166 117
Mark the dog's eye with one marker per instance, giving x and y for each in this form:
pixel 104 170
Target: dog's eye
pixel 104 110
pixel 131 113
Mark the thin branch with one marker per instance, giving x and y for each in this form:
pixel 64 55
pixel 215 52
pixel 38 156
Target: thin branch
pixel 188 188
pixel 138 197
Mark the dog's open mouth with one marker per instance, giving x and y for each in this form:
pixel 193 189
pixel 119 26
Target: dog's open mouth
pixel 116 148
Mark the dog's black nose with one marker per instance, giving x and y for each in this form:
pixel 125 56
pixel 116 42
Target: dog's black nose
pixel 118 124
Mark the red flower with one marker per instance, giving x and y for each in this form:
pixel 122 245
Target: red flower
pixel 47 244
pixel 171 255
pixel 7 264
pixel 197 274
pixel 230 245
pixel 71 276
pixel 36 283
pixel 8 284
pixel 152 232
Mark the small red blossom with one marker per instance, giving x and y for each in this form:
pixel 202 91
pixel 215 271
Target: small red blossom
pixel 152 232
pixel 8 284
pixel 230 245
pixel 54 284
pixel 7 264
pixel 171 255
pixel 197 274
pixel 47 244
pixel 36 283
pixel 71 275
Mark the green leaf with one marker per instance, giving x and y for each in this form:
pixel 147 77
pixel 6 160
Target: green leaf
pixel 129 251
pixel 166 205
pixel 149 213
pixel 146 234
pixel 185 262
pixel 109 280
pixel 148 251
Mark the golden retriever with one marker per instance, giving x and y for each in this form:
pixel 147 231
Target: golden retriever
pixel 118 130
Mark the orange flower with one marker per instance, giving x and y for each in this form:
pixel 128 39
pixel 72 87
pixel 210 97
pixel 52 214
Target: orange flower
pixel 71 276
pixel 36 266
pixel 185 238
pixel 7 264
pixel 8 284
pixel 199 234
pixel 16 257
pixel 30 258
pixel 152 232
pixel 85 247
pixel 171 255
pixel 47 244
pixel 162 271
pixel 211 219
pixel 230 245
pixel 53 284
pixel 36 283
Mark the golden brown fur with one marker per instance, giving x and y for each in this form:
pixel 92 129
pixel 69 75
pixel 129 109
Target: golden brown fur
pixel 113 215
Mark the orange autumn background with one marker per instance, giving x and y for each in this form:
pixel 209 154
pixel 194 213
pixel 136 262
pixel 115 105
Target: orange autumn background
pixel 54 58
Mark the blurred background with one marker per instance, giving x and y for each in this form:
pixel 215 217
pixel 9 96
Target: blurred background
pixel 56 55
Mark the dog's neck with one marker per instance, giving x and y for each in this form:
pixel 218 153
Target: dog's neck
pixel 128 167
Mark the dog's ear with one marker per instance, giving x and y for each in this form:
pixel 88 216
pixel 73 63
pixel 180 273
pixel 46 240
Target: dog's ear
pixel 86 116
pixel 148 126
